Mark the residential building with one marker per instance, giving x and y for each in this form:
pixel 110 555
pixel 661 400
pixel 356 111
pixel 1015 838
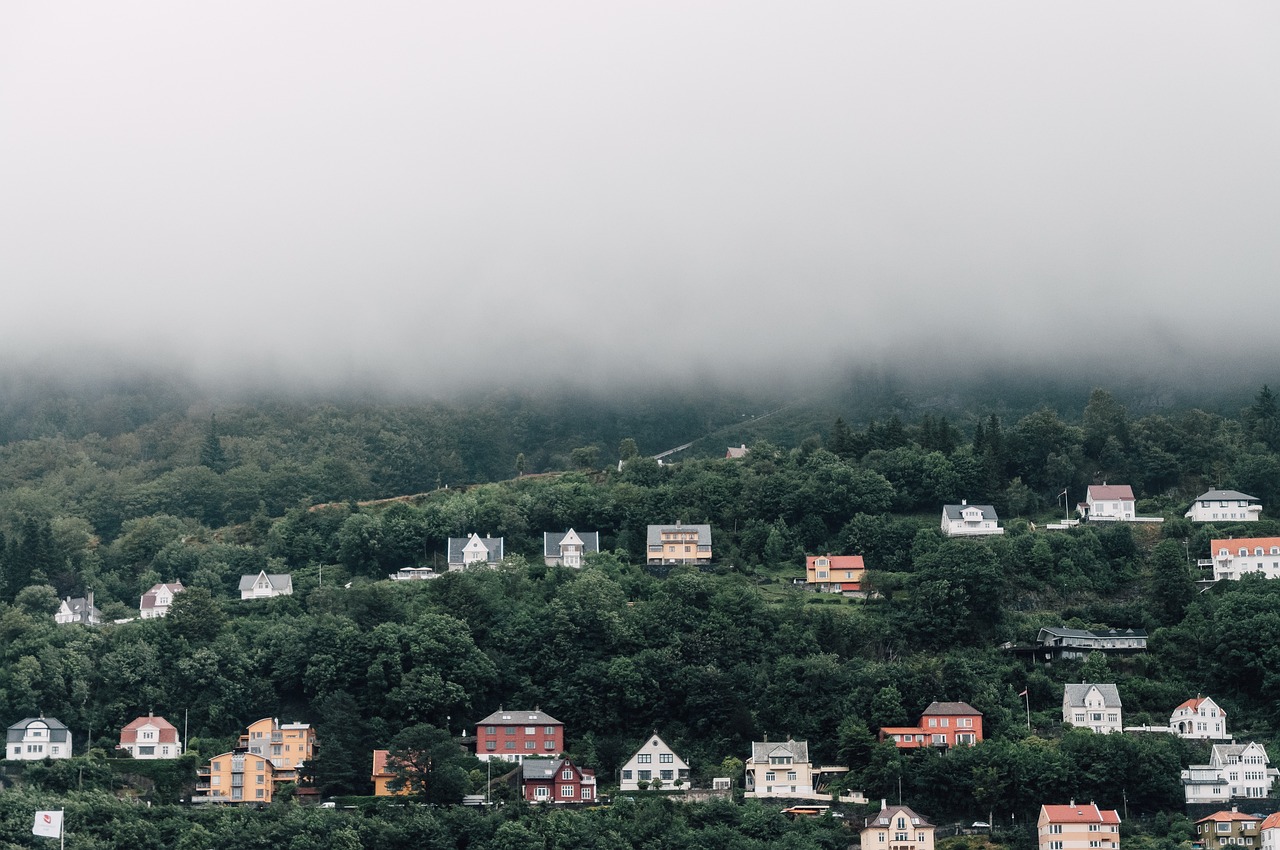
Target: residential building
pixel 779 769
pixel 156 601
pixel 1078 826
pixel 238 776
pixel 474 549
pixel 1234 558
pixel 835 573
pixel 78 610
pixel 1224 506
pixel 896 828
pixel 38 738
pixel 679 544
pixel 288 746
pixel 1234 771
pixel 966 520
pixel 151 737
pixel 1108 503
pixel 413 574
pixel 1092 706
pixel 264 586
pixel 655 761
pixel 383 777
pixel 568 549
pixel 1228 829
pixel 518 735
pixel 737 452
pixel 556 781
pixel 942 724
pixel 1199 718
pixel 1269 832
pixel 1078 643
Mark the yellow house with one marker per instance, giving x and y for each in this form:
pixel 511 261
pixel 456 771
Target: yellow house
pixel 286 745
pixel 679 544
pixel 235 777
pixel 383 776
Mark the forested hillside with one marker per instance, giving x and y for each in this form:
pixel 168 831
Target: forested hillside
pixel 169 487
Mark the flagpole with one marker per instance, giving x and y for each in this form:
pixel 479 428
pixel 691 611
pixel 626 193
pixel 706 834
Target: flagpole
pixel 1026 696
pixel 62 829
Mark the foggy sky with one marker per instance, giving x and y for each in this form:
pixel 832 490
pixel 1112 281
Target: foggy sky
pixel 447 192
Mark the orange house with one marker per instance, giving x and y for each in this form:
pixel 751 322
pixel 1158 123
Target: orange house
pixel 286 745
pixel 383 776
pixel 235 777
pixel 942 724
pixel 835 573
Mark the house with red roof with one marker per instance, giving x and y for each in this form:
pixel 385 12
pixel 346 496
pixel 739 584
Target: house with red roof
pixel 1078 826
pixel 1269 832
pixel 383 777
pixel 835 573
pixel 151 737
pixel 1223 829
pixel 1236 557
pixel 942 724
pixel 156 601
pixel 1199 718
pixel 1107 503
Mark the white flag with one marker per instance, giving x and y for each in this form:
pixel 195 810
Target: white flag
pixel 48 824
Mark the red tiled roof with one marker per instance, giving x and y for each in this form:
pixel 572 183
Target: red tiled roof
pixel 168 733
pixel 1218 817
pixel 1117 492
pixel 1272 821
pixel 838 562
pixel 1081 813
pixel 1250 543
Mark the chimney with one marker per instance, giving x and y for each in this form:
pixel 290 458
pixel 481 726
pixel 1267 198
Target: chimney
pixel 964 502
pixel 883 805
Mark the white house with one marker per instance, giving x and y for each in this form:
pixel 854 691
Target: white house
pixel 1078 643
pixel 1224 506
pixel 1234 770
pixel 1235 557
pixel 779 769
pixel 78 610
pixel 1269 832
pixel 654 761
pixel 567 550
pixel 156 601
pixel 37 738
pixel 1108 502
pixel 263 586
pixel 474 549
pixel 151 737
pixel 413 574
pixel 966 520
pixel 1199 718
pixel 1092 706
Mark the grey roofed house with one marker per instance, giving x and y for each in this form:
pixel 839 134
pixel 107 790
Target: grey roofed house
pixel 1112 639
pixel 704 532
pixel 458 550
pixel 1074 694
pixel 58 731
pixel 509 716
pixel 552 540
pixel 539 768
pixel 79 610
pixel 37 738
pixel 762 750
pixel 264 585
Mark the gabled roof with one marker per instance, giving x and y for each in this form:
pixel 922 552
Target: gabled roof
pixel 278 581
pixel 380 759
pixel 950 709
pixel 545 770
pixel 492 545
pixel 1110 492
pixel 1080 813
pixel 515 718
pixel 654 742
pixel 58 732
pixel 956 512
pixel 1221 753
pixel 81 609
pixel 1219 495
pixel 149 598
pixel 885 817
pixel 838 562
pixel 1225 817
pixel 1075 694
pixel 655 533
pixel 552 540
pixel 1194 705
pixel 1272 821
pixel 168 733
pixel 762 750
pixel 1234 544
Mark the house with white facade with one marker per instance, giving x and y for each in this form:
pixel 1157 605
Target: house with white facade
pixel 264 586
pixel 38 738
pixel 474 549
pixel 1108 502
pixel 156 601
pixel 1234 771
pixel 78 610
pixel 151 737
pixel 1269 832
pixel 1224 506
pixel 1236 557
pixel 1061 642
pixel 1092 706
pixel 655 761
pixel 966 520
pixel 779 769
pixel 1199 718
pixel 568 549
pixel 413 574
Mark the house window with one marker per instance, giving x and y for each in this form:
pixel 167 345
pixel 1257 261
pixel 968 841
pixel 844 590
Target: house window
pixel 933 722
pixel 566 774
pixel 566 791
pixel 489 730
pixel 531 730
pixel 529 745
pixel 260 793
pixel 791 775
pixel 490 745
pixel 644 758
pixel 549 730
pixel 548 745
pixel 510 730
pixel 665 758
pixel 645 775
pixel 668 775
pixel 626 774
pixel 586 792
pixel 770 776
pixel 541 792
pixel 509 745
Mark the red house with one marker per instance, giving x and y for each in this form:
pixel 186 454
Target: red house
pixel 518 735
pixel 942 724
pixel 556 781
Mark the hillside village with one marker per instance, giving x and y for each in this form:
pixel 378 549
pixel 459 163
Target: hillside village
pixel 571 639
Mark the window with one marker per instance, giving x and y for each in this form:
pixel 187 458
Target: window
pixel 1093 827
pixel 549 730
pixel 490 745
pixel 645 758
pixel 489 730
pixel 260 793
pixel 548 745
pixel 510 730
pixel 626 774
pixel 646 775
pixel 586 792
pixel 1055 845
pixel 933 722
pixel 1055 829
pixel 770 776
pixel 541 792
pixel 566 791
pixel 259 778
pixel 529 745
pixel 531 730
pixel 791 776
pixel 566 774
pixel 215 780
pixel 665 758
pixel 666 774
pixel 508 745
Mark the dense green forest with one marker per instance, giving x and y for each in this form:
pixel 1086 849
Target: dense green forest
pixel 116 491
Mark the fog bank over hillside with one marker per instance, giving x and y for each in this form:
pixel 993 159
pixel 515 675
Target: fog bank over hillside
pixel 430 198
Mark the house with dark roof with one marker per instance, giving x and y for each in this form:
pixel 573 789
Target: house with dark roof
pixel 1060 642
pixel 1093 706
pixel 679 544
pixel 518 735
pixel 568 549
pixel 474 549
pixel 1224 506
pixel 556 781
pixel 78 610
pixel 966 520
pixel 942 724
pixel 264 586
pixel 150 737
pixel 779 769
pixel 38 738
pixel 1235 771
pixel 896 828
pixel 156 601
